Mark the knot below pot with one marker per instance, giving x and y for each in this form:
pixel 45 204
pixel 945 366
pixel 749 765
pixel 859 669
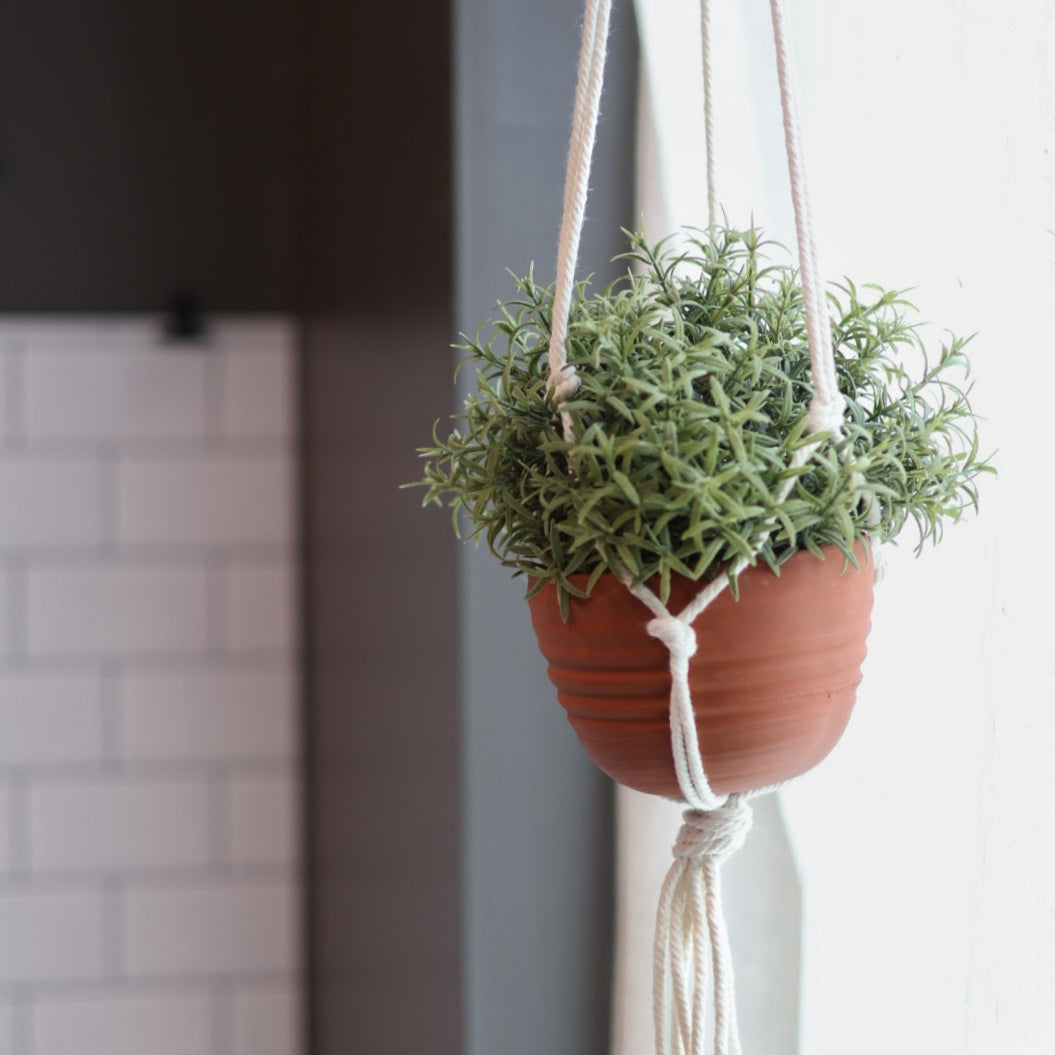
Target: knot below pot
pixel 715 834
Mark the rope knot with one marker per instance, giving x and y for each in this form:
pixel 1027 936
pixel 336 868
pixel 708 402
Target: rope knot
pixel 565 385
pixel 675 633
pixel 826 415
pixel 714 834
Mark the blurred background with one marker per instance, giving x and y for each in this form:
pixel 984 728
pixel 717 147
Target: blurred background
pixel 278 773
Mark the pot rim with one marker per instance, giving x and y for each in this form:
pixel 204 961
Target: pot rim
pixel 866 544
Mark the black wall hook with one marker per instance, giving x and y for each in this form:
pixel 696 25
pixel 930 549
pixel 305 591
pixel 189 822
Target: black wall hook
pixel 184 321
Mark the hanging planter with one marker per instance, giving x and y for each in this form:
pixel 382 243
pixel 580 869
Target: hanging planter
pixel 688 463
pixel 694 466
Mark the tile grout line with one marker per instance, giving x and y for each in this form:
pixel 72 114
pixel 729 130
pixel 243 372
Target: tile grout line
pixel 178 985
pixel 220 821
pixel 168 448
pixel 155 555
pixel 109 501
pixel 222 1031
pixel 110 735
pixel 165 879
pixel 186 768
pixel 16 395
pixel 115 967
pixel 21 837
pixel 8 873
pixel 17 610
pixel 21 1020
pixel 218 574
pixel 214 399
pixel 9 824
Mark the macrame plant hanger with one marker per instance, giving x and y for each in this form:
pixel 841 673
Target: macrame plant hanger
pixel 691 935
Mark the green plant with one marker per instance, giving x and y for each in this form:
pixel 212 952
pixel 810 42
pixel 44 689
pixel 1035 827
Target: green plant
pixel 694 369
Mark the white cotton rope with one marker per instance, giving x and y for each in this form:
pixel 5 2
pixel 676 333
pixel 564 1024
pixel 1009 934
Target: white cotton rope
pixel 563 379
pixel 827 405
pixel 708 111
pixel 690 925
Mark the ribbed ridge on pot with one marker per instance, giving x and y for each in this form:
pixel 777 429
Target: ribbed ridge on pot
pixel 773 680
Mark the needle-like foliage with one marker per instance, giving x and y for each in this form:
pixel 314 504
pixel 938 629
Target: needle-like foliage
pixel 695 385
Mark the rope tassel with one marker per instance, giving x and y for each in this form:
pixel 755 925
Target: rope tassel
pixel 690 930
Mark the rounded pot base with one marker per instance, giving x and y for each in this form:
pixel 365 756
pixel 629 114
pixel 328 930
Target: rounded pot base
pixel 773 680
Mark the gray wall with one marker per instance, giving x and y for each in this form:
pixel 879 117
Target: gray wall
pixel 537 821
pixel 383 722
pixel 383 725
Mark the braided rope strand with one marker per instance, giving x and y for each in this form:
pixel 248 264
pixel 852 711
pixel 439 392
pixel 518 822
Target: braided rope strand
pixel 563 380
pixel 708 111
pixel 690 931
pixel 827 406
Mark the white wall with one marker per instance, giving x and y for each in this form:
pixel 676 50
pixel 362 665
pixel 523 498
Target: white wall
pixel 149 854
pixel 925 841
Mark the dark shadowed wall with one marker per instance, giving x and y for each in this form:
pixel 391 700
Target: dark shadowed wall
pixel 145 147
pixel 383 724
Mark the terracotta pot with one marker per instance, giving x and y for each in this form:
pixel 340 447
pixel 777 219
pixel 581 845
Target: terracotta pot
pixel 773 679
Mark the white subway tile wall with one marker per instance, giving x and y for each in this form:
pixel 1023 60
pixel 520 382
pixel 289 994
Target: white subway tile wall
pixel 172 1025
pixel 258 605
pixel 150 894
pixel 265 1021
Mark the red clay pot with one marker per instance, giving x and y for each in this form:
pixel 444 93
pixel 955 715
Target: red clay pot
pixel 773 679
